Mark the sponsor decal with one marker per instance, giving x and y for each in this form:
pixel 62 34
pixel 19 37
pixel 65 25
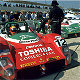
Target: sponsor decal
pixel 60 42
pixel 71 29
pixel 38 45
pixel 28 64
pixel 23 41
pixel 53 58
pixel 35 53
pixel 29 41
pixel 25 36
pixel 41 60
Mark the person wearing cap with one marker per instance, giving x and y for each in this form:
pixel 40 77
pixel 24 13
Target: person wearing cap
pixel 33 15
pixel 11 17
pixel 56 16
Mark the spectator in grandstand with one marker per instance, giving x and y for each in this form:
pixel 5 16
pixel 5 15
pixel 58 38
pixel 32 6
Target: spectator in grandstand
pixel 0 4
pixel 4 4
pixel 9 5
pixel 16 5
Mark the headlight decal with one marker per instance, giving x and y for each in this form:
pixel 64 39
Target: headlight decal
pixel 66 53
pixel 3 62
pixel 65 49
pixel 6 59
pixel 7 71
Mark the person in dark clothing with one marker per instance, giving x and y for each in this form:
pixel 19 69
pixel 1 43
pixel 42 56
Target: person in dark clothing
pixel 11 17
pixel 56 16
pixel 16 16
pixel 29 15
pixel 43 22
pixel 39 15
pixel 42 25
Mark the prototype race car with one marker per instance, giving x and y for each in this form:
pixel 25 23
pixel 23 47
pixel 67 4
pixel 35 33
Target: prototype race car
pixel 66 29
pixel 73 29
pixel 28 49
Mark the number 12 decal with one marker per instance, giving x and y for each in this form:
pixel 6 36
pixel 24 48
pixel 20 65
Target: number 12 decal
pixel 60 42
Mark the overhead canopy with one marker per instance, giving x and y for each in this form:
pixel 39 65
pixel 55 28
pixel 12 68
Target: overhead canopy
pixel 25 2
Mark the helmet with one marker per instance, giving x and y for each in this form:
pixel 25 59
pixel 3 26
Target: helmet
pixel 13 30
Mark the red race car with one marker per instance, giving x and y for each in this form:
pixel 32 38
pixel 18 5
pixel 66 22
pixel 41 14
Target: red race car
pixel 28 49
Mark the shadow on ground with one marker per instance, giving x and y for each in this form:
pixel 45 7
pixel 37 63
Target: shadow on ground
pixel 74 44
pixel 74 63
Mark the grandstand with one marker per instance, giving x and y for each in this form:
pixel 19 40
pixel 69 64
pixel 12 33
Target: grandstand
pixel 40 6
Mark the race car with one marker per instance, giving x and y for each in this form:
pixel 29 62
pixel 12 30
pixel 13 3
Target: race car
pixel 66 29
pixel 27 49
pixel 73 29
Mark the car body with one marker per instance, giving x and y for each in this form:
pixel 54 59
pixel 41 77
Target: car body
pixel 66 29
pixel 71 21
pixel 28 49
pixel 73 29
